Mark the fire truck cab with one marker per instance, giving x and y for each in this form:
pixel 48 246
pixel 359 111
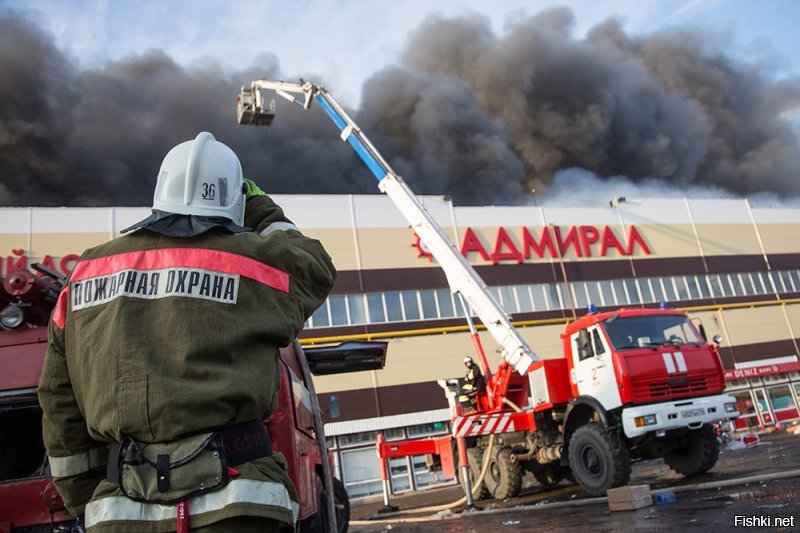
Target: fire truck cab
pixel 644 383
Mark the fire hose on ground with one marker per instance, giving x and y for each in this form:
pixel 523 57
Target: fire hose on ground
pixel 572 503
pixel 475 485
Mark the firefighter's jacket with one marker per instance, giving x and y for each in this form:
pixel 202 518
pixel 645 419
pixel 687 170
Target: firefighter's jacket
pixel 161 337
pixel 474 380
pixel 473 384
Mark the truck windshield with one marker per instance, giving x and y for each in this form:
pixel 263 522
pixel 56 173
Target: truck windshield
pixel 651 330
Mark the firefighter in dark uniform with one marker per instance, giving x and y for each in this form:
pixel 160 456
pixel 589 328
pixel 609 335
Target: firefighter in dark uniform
pixel 162 357
pixel 474 383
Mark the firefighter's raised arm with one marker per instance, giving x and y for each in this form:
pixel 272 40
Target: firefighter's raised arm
pixel 284 246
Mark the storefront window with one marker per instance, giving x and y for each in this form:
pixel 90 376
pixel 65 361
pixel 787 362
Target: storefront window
pixel 608 293
pixel 619 292
pixel 702 284
pixel 737 383
pixel 787 282
pixel 539 298
pixel 691 282
pixel 428 304
pixel 338 310
pixel 736 284
pixel 763 286
pixel 358 313
pixel 423 477
pixel 375 303
pixel 745 283
pixel 553 296
pixel 763 407
pixel 394 310
pixel 361 472
pixel 669 289
pixel 655 289
pixel 320 317
pixel 680 286
pixel 394 434
pixel 747 409
pixel 716 290
pixel 398 470
pixel 795 279
pixel 774 378
pixel 524 298
pixel 782 402
pixel 633 291
pixel 353 439
pixel 579 295
pixel 445 300
pixel 725 283
pixel 594 293
pixel 509 300
pixel 644 288
pixel 410 305
pixel 432 428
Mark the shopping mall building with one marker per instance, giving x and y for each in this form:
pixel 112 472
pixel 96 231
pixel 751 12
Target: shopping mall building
pixel 734 267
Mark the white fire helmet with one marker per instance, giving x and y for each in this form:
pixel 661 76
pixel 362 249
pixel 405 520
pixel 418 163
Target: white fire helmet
pixel 468 359
pixel 201 177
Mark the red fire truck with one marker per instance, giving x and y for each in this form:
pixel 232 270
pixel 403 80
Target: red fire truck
pixel 28 499
pixel 630 383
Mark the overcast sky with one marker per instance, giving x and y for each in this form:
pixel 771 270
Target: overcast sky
pixel 344 42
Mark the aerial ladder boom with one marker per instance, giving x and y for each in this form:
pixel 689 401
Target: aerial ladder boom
pixel 462 278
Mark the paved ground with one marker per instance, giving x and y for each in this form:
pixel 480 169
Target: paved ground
pixel 706 510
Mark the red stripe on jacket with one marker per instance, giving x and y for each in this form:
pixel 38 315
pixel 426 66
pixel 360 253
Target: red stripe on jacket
pixel 218 261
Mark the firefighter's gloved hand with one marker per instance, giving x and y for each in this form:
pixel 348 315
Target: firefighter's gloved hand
pixel 251 189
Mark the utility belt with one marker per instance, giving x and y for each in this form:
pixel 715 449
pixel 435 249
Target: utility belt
pixel 173 472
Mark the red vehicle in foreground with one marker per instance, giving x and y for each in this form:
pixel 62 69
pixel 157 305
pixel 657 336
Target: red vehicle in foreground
pixel 28 499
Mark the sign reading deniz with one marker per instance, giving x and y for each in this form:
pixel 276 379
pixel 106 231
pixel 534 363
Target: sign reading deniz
pixel 551 242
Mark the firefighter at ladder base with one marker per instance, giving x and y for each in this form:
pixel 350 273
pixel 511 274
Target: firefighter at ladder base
pixel 474 383
pixel 162 356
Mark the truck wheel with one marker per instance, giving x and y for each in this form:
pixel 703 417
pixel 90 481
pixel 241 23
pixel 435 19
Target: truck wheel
pixel 594 462
pixel 342 502
pixel 697 454
pixel 319 522
pixel 566 473
pixel 475 460
pixel 504 475
pixel 549 475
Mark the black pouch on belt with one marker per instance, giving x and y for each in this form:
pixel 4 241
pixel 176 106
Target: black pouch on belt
pixel 172 472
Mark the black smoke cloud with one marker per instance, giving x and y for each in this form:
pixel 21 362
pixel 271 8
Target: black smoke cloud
pixel 468 113
pixel 97 137
pixel 670 106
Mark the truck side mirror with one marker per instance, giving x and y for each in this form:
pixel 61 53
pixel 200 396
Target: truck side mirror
pixel 584 344
pixel 703 333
